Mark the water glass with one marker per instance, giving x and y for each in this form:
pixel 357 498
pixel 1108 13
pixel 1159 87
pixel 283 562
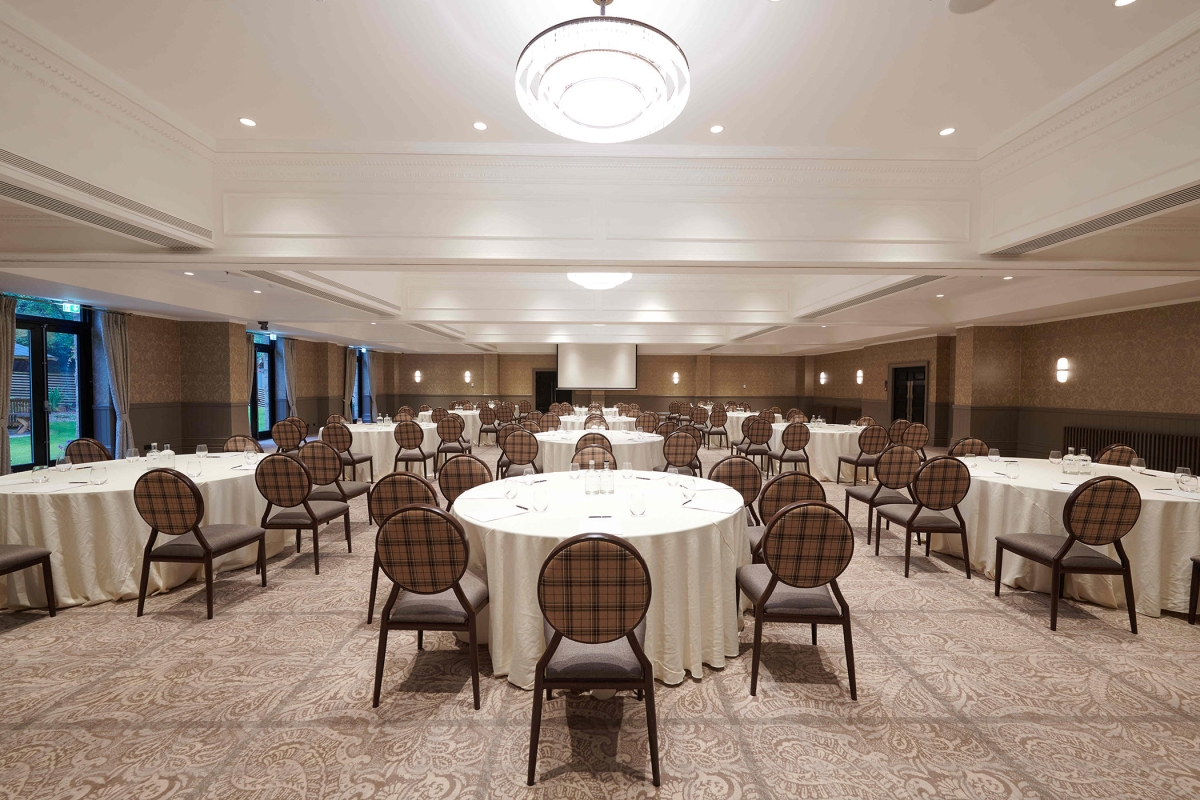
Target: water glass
pixel 63 464
pixel 527 477
pixel 194 467
pixel 41 474
pixel 672 476
pixel 994 454
pixel 970 460
pixel 98 476
pixel 131 455
pixel 627 470
pixel 688 487
pixel 1181 473
pixel 1012 468
pixel 574 471
pixel 1055 456
pixel 1190 484
pixel 202 450
pixel 1138 465
pixel 540 501
pixel 248 454
pixel 637 503
pixel 510 488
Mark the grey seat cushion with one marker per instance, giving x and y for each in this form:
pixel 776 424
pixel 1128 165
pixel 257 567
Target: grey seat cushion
pixel 885 497
pixel 755 534
pixel 442 608
pixel 789 455
pixel 219 537
pixel 612 661
pixel 862 459
pixel 412 455
pixel 354 458
pixel 330 492
pixel 816 602
pixel 1045 546
pixel 927 520
pixel 453 447
pixel 16 556
pixel 297 517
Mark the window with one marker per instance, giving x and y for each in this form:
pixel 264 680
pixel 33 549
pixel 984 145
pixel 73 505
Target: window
pixel 52 382
pixel 360 401
pixel 263 399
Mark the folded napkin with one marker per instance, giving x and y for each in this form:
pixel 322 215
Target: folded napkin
pixel 719 505
pixel 600 524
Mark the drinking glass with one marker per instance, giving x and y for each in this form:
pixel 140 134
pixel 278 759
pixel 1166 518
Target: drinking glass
pixel 688 487
pixel 540 502
pixel 1190 484
pixel 627 470
pixel 63 464
pixel 1181 473
pixel 195 465
pixel 971 460
pixel 510 488
pixel 637 503
pixel 1055 456
pixel 248 454
pixel 527 477
pixel 994 454
pixel 98 476
pixel 202 450
pixel 131 455
pixel 574 471
pixel 1012 468
pixel 672 476
pixel 1138 465
pixel 41 474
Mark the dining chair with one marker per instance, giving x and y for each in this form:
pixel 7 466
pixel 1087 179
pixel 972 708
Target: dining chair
pixel 646 422
pixel 896 430
pixel 424 408
pixel 805 548
pixel 406 410
pixel 287 436
pixel 534 416
pixel 286 484
pixel 170 503
pixel 699 417
pixel 1195 590
pixel 424 552
pixel 551 422
pixel 1115 455
pixel 335 418
pixel 16 557
pixel 969 446
pixel 594 590
pixel 525 407
pixel 757 441
pixel 871 442
pixel 1098 513
pixel 410 441
pixel 689 427
pixel 595 422
pixel 338 436
pixel 673 411
pixel 593 439
pixel 239 442
pixel 915 436
pixel 679 450
pixel 792 448
pixel 487 422
pixel 465 473
pixel 300 424
pixel 520 450
pixel 666 428
pixel 87 451
pixel 778 493
pixel 389 494
pixel 716 425
pixel 867 421
pixel 594 456
pixel 450 430
pixel 325 466
pixel 894 471
pixel 939 486
pixel 743 476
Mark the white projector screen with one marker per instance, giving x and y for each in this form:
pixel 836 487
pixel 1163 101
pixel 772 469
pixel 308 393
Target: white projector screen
pixel 597 366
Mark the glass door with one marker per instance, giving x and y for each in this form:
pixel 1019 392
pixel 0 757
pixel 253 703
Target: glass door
pixel 20 405
pixel 51 381
pixel 264 390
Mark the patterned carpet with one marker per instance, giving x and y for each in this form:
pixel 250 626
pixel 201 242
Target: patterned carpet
pixel 960 695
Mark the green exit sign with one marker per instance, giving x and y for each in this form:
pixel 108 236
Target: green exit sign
pixel 71 308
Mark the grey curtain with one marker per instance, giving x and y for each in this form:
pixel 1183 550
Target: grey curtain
pixel 114 328
pixel 373 367
pixel 8 351
pixel 251 358
pixel 289 373
pixel 348 388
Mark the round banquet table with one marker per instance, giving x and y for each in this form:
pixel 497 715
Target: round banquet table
pixel 733 424
pixel 614 423
pixel 97 537
pixel 692 556
pixel 582 411
pixel 825 444
pixel 470 420
pixel 644 451
pixel 379 441
pixel 1159 547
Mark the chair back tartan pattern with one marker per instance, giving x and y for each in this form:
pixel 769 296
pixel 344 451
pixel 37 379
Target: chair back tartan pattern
pixel 594 454
pixel 238 442
pixel 795 436
pixel 897 466
pixel 338 436
pixel 409 435
pixel 594 588
pixel 808 544
pixel 740 474
pixel 915 436
pixel 521 447
pixel 896 430
pixel 460 474
pixel 286 435
pixel 969 446
pixel 397 490
pixel 872 440
pixel 87 451
pixel 680 448
pixel 788 488
pixel 593 440
pixel 942 483
pixel 168 501
pixel 283 480
pixel 1102 510
pixel 422 549
pixel 324 464
pixel 451 428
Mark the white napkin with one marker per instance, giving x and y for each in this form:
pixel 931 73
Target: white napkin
pixel 720 505
pixel 497 512
pixel 600 524
pixel 1065 487
pixel 42 488
pixel 1179 493
pixel 248 467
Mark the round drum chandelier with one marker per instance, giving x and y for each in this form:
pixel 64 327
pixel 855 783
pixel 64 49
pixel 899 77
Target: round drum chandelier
pixel 603 79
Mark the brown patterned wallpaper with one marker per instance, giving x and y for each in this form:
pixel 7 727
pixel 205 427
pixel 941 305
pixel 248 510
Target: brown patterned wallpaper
pixel 516 373
pixel 153 360
pixel 996 366
pixel 655 375
pixel 204 351
pixel 964 368
pixel 944 374
pixel 441 374
pixel 763 376
pixel 877 359
pixel 840 373
pixel 239 391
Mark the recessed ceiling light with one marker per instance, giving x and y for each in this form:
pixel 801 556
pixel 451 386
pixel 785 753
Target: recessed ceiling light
pixel 824 326
pixel 716 129
pixel 941 295
pixel 599 280
pixel 249 123
pixel 189 273
pixel 374 323
pixel 1008 277
pixel 946 131
pixel 597 324
pixel 1120 3
pixel 480 126
pixel 258 291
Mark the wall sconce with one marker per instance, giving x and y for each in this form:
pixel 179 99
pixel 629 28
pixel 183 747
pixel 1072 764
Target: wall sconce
pixel 417 376
pixel 467 376
pixel 858 378
pixel 1062 370
pixel 675 378
pixel 824 378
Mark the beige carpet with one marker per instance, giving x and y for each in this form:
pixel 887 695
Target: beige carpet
pixel 961 695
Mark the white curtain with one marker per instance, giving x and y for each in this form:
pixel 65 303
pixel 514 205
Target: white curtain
pixel 114 328
pixel 373 375
pixel 8 351
pixel 348 388
pixel 289 373
pixel 251 360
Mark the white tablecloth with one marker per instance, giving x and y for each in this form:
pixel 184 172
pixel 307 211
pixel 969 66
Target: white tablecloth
pixel 1159 547
pixel 733 425
pixel 692 557
pixel 555 449
pixel 380 442
pixel 582 411
pixel 470 421
pixel 614 423
pixel 825 444
pixel 97 537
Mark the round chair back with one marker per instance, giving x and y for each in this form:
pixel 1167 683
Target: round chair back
pixel 337 436
pixel 788 488
pixel 438 414
pixel 504 413
pixel 405 416
pixel 283 480
pixel 1102 510
pixel 521 447
pixel 796 416
pixel 740 474
pixel 942 483
pixel 301 424
pixel 1116 455
pixel 718 417
pixel 468 407
pixel 673 407
pixel 87 451
pixel 699 415
pixel 450 428
pixel 406 410
pixel 896 430
pixel 168 501
pixel 409 435
pixel 286 436
pixel 759 431
pixel 746 425
pixel 594 588
pixel 969 446
pixel 808 545
pixel 695 432
pixel 461 473
pixel 531 426
pixel 594 454
pixel 324 464
pixel 593 440
pixel 504 431
pixel 915 436
pixel 666 428
pixel 866 421
pixel 767 414
pixel 422 549
pixel 646 422
pixel 239 442
pixel 334 418
pixel 897 466
pixel 487 416
pixel 872 440
pixel 423 408
pixel 680 448
pixel 795 436
pixel 525 407
pixel 595 422
pixel 396 490
pixel 551 422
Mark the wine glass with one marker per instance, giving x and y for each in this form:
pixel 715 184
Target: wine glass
pixel 994 454
pixel 627 470
pixel 194 467
pixel 98 476
pixel 131 455
pixel 574 471
pixel 1055 456
pixel 1138 465
pixel 540 501
pixel 1190 484
pixel 637 503
pixel 1180 474
pixel 672 476
pixel 688 487
pixel 62 464
pixel 511 488
pixel 202 450
pixel 1012 468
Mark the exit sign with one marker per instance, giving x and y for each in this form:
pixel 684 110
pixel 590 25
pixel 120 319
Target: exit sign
pixel 70 308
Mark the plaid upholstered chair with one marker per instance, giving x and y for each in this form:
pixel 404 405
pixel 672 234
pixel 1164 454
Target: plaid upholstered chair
pixel 287 436
pixel 450 431
pixel 646 422
pixel 939 486
pixel 487 422
pixel 593 440
pixel 673 411
pixel 595 422
pixel 505 413
pixel 1098 513
pixel 757 442
pixel 969 446
pixel 767 414
pixel 404 416
pixel 894 471
pixel 389 494
pixel 916 436
pixel 170 503
pixel 423 408
pixel 338 436
pixel 520 450
pixel 406 410
pixel 700 418
pixel 524 407
pixel 15 557
pixel 1115 455
pixel 1195 590
pixel 897 429
pixel 740 474
pixel 793 442
pixel 806 547
pixel 325 466
pixel 410 439
pixel 743 406
pixel 594 455
pixel 594 591
pixel 86 451
pixel 301 425
pixel 777 494
pixel 680 449
pixel 666 428
pixel 871 442
pixel 239 442
pixel 867 421
pixel 461 474
pixel 468 407
pixel 716 425
pixel 286 484
pixel 534 416
pixel 551 422
pixel 424 551
pixel 335 418
pixel 530 426
pixel 438 414
pixel 690 428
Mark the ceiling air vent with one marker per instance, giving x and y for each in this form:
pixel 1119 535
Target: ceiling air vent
pixel 869 297
pixel 280 280
pixel 1165 203
pixel 760 332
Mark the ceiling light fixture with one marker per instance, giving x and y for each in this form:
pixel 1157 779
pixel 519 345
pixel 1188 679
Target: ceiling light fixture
pixel 602 79
pixel 599 280
pixel 716 129
pixel 1008 277
pixel 189 274
pixel 939 296
pixel 249 123
pixel 258 291
pixel 946 131
pixel 1120 3
pixel 480 126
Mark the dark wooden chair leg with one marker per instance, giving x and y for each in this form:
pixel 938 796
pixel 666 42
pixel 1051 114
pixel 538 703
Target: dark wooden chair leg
pixel 535 728
pixel 316 550
pixel 966 552
pixel 1127 577
pixel 346 524
pixel 907 548
pixel 374 587
pixel 652 728
pixel 814 633
pixel 383 632
pixel 474 645
pixel 48 585
pixel 849 656
pixel 1195 594
pixel 999 565
pixel 420 640
pixel 757 653
pixel 297 540
pixel 208 584
pixel 1054 597
pixel 144 584
pixel 262 558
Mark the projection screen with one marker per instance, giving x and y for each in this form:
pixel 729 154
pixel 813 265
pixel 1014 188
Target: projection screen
pixel 597 366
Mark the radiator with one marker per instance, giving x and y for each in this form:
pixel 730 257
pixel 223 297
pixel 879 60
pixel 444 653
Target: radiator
pixel 1162 451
